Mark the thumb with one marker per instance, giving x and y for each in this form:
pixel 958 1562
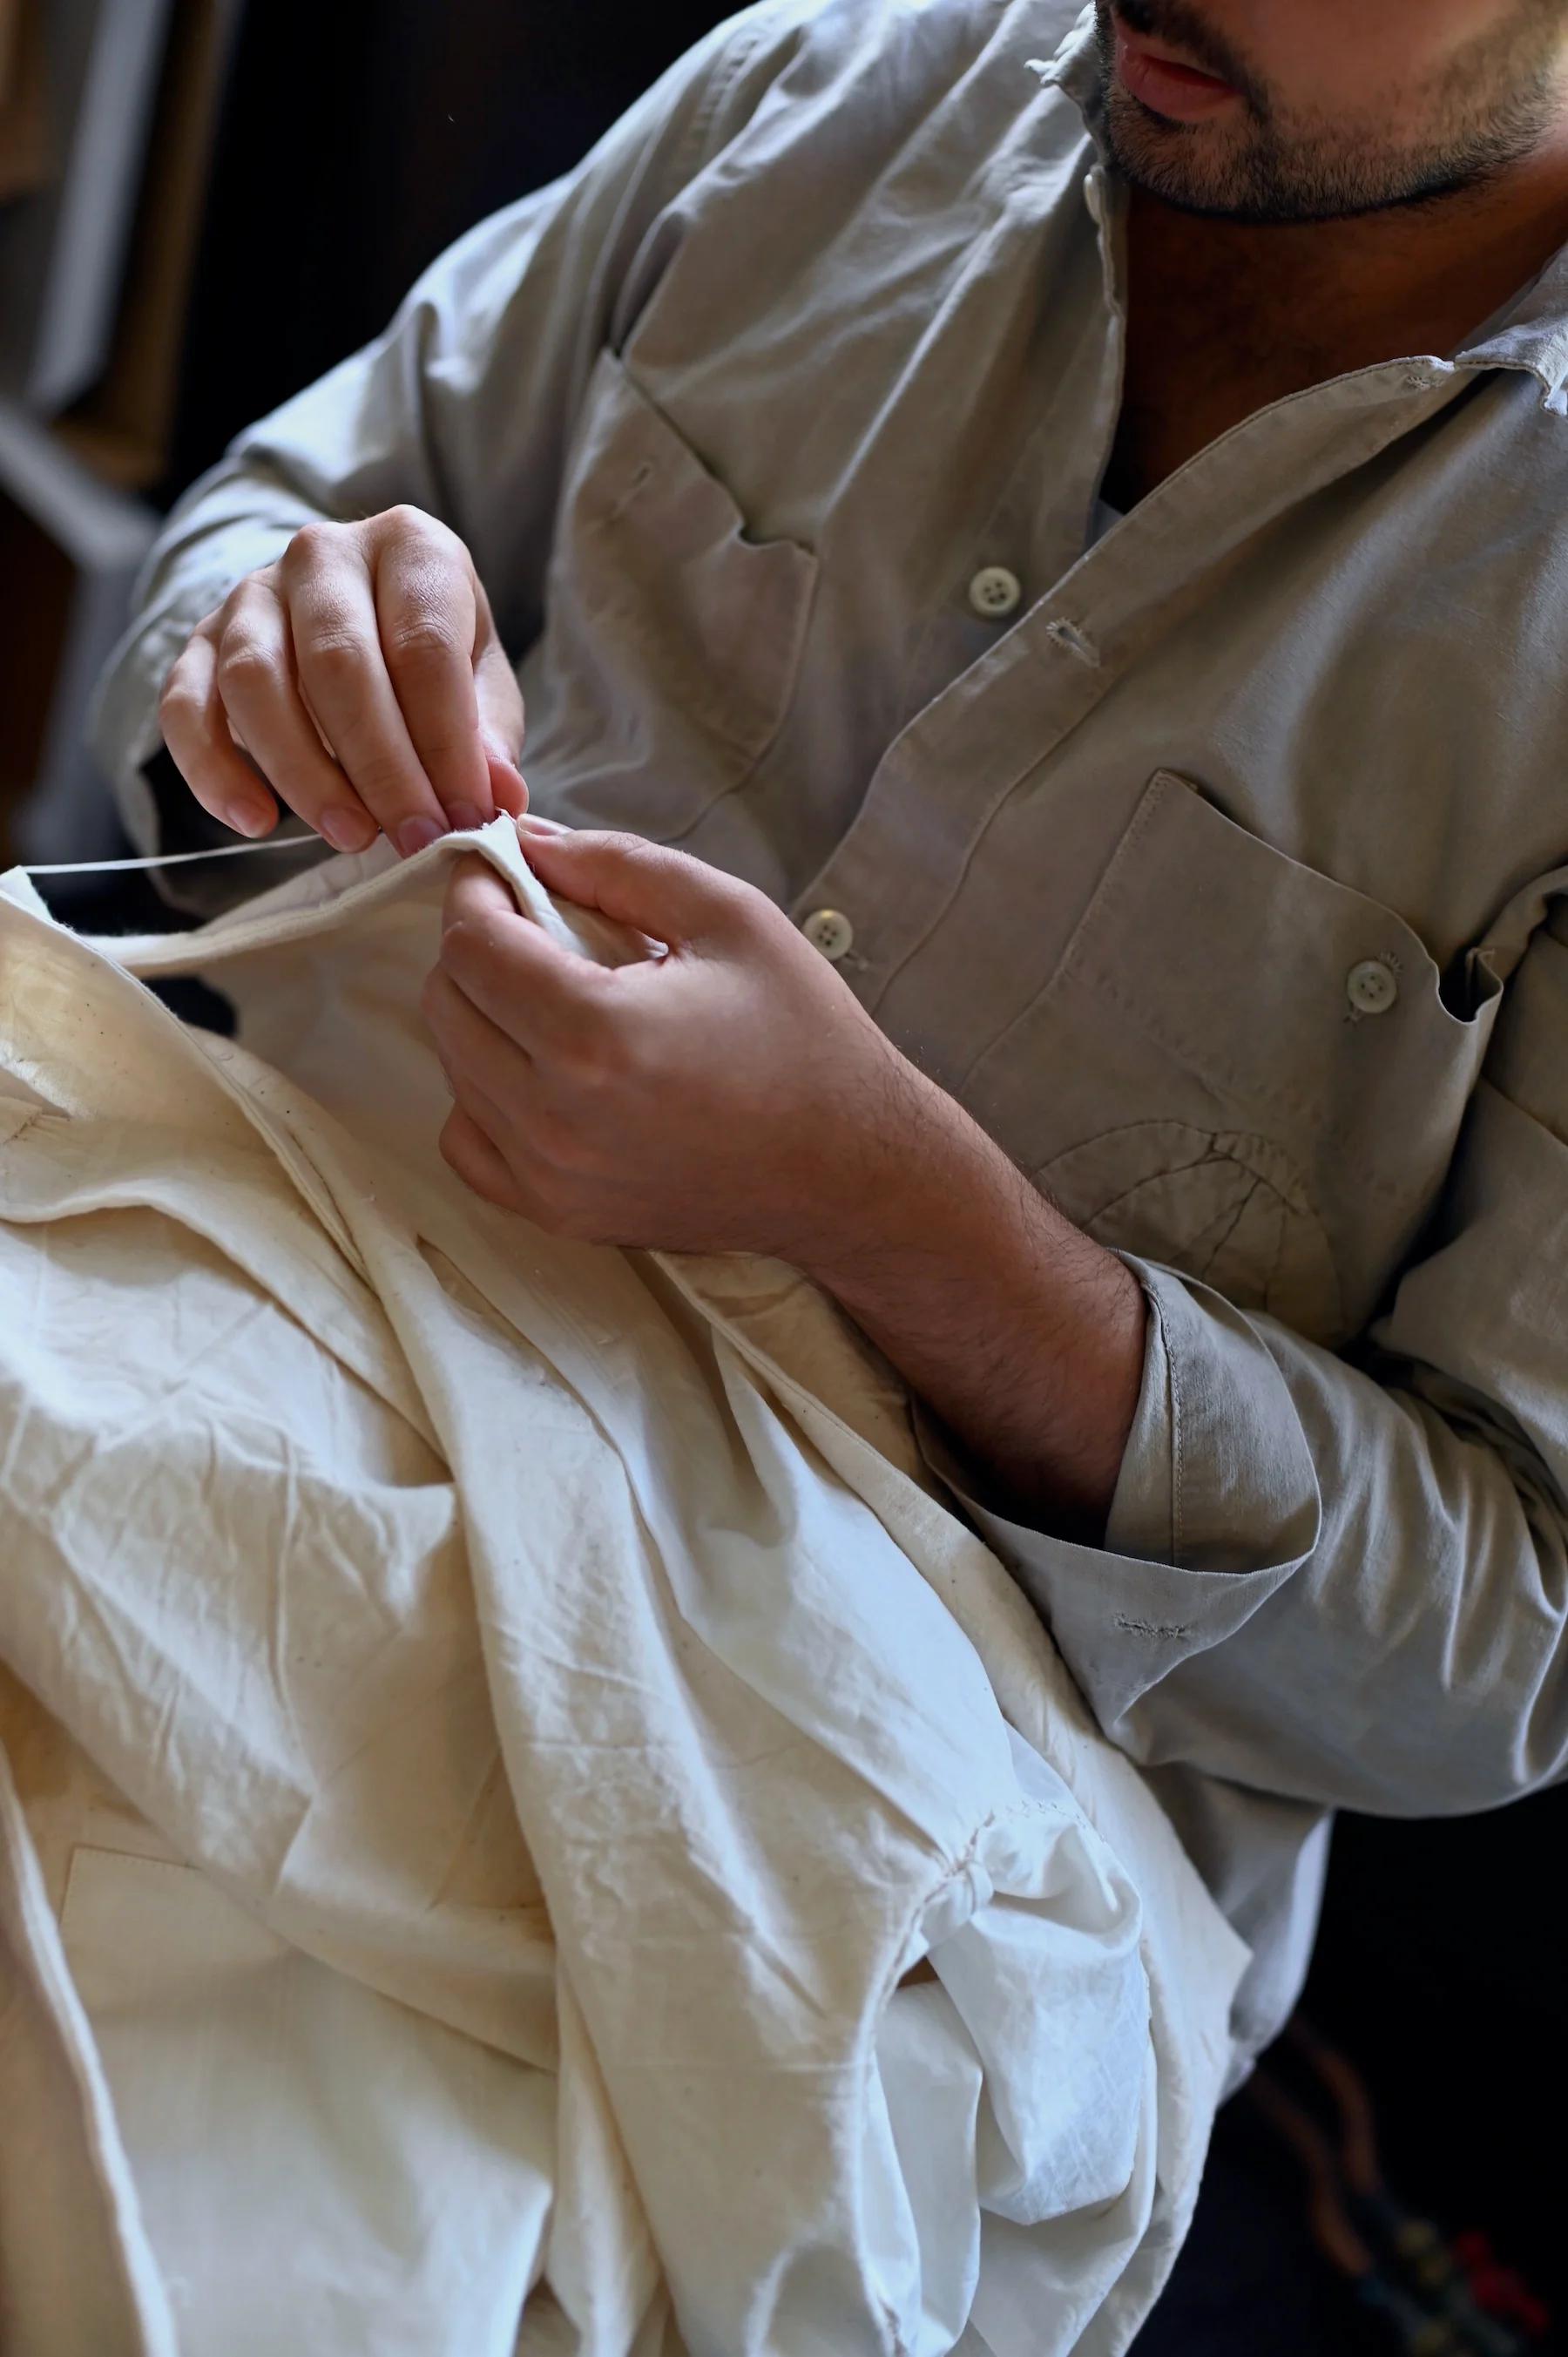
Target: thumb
pixel 664 893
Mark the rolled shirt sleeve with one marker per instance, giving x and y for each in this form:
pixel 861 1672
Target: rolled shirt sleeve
pixel 1344 1579
pixel 463 407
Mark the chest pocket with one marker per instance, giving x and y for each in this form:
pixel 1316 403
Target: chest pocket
pixel 673 638
pixel 1242 1068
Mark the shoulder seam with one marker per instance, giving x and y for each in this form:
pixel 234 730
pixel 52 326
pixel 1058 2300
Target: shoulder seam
pixel 727 69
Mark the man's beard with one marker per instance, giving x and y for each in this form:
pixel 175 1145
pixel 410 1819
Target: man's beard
pixel 1488 110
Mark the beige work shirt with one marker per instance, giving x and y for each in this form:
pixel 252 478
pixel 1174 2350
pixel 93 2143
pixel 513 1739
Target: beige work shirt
pixel 1216 864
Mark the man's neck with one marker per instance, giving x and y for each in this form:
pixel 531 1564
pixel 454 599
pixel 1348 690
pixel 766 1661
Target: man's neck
pixel 1226 316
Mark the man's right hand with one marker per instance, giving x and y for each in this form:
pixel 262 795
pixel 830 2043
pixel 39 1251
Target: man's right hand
pixel 359 680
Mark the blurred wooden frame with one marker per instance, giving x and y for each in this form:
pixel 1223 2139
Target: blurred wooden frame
pixel 121 427
pixel 25 149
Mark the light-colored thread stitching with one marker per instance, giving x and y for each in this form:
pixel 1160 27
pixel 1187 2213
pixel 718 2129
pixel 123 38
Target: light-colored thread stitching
pixel 1237 1217
pixel 1076 641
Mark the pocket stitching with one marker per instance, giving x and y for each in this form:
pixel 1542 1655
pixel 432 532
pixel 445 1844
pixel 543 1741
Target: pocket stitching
pixel 1248 1088
pixel 1300 1204
pixel 750 734
pixel 1167 789
pixel 1136 825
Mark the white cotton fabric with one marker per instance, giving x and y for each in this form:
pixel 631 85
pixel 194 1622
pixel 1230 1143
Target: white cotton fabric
pixel 548 1676
pixel 1111 859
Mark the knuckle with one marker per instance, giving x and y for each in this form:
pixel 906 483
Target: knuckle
pixel 333 658
pixel 600 1056
pixel 252 591
pixel 179 700
pixel 599 1025
pixel 415 527
pixel 323 611
pixel 244 667
pixel 624 846
pixel 436 747
pixel 312 545
pixel 242 594
pixel 422 643
pixel 378 773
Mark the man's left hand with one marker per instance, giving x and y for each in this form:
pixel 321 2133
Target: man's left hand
pixel 732 1096
pixel 735 1097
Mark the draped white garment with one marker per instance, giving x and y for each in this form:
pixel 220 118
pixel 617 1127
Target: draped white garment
pixel 526 1711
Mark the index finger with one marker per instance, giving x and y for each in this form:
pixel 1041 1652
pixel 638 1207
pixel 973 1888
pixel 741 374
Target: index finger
pixel 541 996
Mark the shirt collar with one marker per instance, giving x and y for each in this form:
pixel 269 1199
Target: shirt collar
pixel 1075 67
pixel 1529 333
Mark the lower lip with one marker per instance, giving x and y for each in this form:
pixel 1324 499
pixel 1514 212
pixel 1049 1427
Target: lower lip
pixel 1178 92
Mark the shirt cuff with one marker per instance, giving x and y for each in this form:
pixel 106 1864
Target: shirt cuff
pixel 1142 1520
pixel 1217 1506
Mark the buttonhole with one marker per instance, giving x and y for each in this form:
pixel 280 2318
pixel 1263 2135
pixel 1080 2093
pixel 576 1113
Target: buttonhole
pixel 1077 642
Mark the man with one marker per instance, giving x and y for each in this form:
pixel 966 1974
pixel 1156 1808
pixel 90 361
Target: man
pixel 1049 531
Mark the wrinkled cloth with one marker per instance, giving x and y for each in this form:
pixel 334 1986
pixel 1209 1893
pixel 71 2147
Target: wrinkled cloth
pixel 555 1690
pixel 776 430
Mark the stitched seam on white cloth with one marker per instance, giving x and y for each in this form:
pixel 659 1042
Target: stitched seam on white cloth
pixel 30 1121
pixel 1068 1814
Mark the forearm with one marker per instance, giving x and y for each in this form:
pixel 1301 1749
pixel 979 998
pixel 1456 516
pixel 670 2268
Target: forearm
pixel 1023 1336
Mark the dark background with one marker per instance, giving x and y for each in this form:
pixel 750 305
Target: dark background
pixel 358 138
pixel 356 141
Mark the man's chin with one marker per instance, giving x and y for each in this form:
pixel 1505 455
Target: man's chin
pixel 1179 182
pixel 1187 166
pixel 1167 160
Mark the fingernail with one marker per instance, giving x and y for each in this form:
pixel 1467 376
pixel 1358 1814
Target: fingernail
pixel 531 825
pixel 416 834
pixel 247 818
pixel 346 830
pixel 465 816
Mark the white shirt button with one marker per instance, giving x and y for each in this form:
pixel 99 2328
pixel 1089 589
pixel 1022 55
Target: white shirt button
pixel 995 591
pixel 827 930
pixel 1370 987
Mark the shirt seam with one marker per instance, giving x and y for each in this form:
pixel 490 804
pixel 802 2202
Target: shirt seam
pixel 1177 1408
pixel 726 67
